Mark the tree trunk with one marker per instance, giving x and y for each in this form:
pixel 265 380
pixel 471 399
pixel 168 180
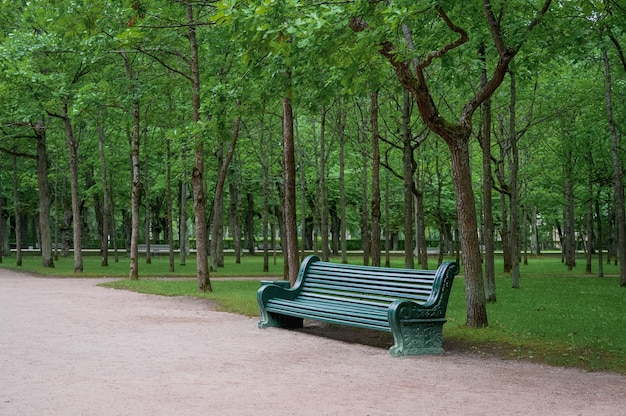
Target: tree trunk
pixel 420 225
pixel 407 180
pixel 183 238
pixel 234 218
pixel 600 236
pixel 104 243
pixel 534 234
pixel 112 225
pixel 249 224
pixel 290 246
pixel 197 174
pixel 488 223
pixel 568 214
pixel 146 203
pixel 342 188
pixel 470 247
pixel 375 182
pixel 365 233
pixel 280 219
pixel 266 209
pixel 324 191
pixel 135 193
pixel 304 223
pixel 133 273
pixel 218 204
pixel 170 219
pixel 515 227
pixel 589 240
pixel 76 218
pixel 387 227
pixel 44 194
pixel 618 174
pixel 18 216
pixel 505 229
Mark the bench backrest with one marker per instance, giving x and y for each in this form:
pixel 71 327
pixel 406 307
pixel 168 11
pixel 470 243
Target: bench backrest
pixel 374 285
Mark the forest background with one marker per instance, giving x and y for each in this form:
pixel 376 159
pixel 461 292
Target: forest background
pixel 213 125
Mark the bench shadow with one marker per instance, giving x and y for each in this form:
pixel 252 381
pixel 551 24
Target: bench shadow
pixel 348 334
pixel 373 338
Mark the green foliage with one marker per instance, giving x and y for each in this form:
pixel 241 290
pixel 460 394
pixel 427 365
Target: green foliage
pixel 58 52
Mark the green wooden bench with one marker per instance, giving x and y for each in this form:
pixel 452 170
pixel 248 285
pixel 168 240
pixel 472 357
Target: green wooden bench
pixel 411 304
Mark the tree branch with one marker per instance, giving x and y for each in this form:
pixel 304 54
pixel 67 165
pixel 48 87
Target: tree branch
pixel 16 153
pixel 166 65
pixel 506 56
pixel 463 38
pixel 618 46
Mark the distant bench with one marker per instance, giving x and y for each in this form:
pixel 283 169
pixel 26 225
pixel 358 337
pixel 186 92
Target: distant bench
pixel 411 304
pixel 154 248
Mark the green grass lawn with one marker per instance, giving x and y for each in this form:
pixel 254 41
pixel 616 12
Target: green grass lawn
pixel 559 317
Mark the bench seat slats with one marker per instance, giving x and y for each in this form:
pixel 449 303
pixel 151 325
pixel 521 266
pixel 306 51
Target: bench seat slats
pixel 327 313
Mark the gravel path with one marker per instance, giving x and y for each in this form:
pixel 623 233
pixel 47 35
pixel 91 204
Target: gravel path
pixel 69 347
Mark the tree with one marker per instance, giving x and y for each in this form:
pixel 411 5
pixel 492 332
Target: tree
pixel 457 135
pixel 376 227
pixel 618 174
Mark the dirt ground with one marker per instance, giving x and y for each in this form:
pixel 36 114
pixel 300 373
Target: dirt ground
pixel 69 347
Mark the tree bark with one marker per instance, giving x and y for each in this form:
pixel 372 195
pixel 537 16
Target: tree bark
pixel 18 216
pixel 618 173
pixel 183 238
pixel 375 181
pixel 407 181
pixel 234 218
pixel 170 214
pixel 266 209
pixel 219 196
pixel 133 273
pixel 568 211
pixel 290 246
pixel 324 191
pixel 44 194
pixel 365 229
pixel 146 203
pixel 488 223
pixel 197 174
pixel 515 221
pixel 420 222
pixel 342 190
pixel 589 241
pixel 505 229
pixel 600 236
pixel 104 244
pixel 76 220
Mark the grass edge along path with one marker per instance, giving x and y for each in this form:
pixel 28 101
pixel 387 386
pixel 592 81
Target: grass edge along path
pixel 558 317
pixel 576 324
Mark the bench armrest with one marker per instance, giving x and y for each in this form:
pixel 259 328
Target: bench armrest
pixel 434 307
pixel 278 289
pixel 274 289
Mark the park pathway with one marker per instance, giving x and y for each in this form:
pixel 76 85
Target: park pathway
pixel 69 347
